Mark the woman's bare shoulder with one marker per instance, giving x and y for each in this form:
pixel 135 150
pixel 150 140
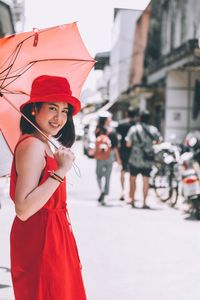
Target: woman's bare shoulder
pixel 30 146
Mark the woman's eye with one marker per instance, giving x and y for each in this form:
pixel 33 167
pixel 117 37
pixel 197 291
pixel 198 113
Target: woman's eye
pixel 52 108
pixel 65 112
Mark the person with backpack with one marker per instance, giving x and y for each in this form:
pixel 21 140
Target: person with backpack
pixel 124 151
pixel 106 152
pixel 140 138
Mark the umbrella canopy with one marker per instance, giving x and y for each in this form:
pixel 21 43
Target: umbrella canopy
pixel 57 51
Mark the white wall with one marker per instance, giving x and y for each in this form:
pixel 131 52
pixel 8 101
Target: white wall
pixel 121 51
pixel 179 103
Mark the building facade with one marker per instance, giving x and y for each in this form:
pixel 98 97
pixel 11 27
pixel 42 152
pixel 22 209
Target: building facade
pixel 121 50
pixel 172 64
pixel 11 16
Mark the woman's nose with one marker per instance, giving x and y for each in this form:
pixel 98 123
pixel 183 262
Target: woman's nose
pixel 57 116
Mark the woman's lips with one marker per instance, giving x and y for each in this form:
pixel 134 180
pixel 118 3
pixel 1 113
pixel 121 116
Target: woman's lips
pixel 54 125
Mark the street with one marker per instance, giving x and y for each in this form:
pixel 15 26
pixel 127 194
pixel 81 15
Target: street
pixel 126 253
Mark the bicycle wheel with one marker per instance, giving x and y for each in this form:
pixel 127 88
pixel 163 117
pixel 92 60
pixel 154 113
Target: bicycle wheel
pixel 162 185
pixel 174 193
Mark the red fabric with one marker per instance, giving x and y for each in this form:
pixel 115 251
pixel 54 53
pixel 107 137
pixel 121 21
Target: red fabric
pixel 44 259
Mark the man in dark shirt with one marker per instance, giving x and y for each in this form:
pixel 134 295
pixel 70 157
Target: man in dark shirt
pixel 124 151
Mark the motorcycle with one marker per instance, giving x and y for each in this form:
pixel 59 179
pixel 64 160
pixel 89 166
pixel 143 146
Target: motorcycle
pixel 191 177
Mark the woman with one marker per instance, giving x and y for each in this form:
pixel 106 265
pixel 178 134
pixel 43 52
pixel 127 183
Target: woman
pixel 104 165
pixel 44 257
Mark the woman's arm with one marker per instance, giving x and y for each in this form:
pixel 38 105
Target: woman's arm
pixel 30 162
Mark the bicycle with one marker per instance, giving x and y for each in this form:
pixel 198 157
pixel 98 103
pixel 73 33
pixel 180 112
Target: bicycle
pixel 165 173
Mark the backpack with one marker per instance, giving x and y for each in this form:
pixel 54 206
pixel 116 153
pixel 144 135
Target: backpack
pixel 102 147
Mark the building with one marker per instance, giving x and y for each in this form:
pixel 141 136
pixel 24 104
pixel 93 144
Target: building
pixel 6 19
pixel 172 65
pixel 17 7
pixel 103 64
pixel 120 58
pixel 138 92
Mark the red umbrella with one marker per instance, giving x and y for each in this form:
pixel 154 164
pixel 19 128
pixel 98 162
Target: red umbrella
pixel 57 51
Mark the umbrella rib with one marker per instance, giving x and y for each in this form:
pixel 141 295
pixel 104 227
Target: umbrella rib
pixel 43 60
pixel 19 45
pixel 30 36
pixel 15 54
pixel 10 57
pixel 27 67
pixel 6 92
pixel 14 57
pixel 17 75
pixel 61 59
pixel 17 70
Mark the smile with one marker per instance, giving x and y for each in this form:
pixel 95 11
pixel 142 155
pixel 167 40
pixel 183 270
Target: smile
pixel 54 125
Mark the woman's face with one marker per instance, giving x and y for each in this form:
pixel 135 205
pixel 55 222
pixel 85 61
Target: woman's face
pixel 51 117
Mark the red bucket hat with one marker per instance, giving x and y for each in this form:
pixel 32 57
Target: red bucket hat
pixel 47 88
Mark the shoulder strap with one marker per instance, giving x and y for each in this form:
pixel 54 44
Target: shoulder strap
pixel 138 135
pixel 148 132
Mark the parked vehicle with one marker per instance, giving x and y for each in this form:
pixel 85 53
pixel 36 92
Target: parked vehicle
pixel 165 172
pixel 89 139
pixel 191 176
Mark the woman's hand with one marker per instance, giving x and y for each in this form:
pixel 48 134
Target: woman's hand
pixel 64 157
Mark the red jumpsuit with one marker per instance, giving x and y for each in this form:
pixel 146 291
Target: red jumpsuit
pixel 44 259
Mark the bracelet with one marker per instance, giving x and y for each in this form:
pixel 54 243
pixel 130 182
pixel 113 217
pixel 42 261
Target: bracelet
pixel 56 176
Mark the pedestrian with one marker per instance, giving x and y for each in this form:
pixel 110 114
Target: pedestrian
pixel 107 143
pixel 124 151
pixel 44 257
pixel 140 138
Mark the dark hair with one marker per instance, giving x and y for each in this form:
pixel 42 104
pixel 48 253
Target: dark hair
pixel 102 121
pixel 133 112
pixel 100 130
pixel 145 116
pixel 66 136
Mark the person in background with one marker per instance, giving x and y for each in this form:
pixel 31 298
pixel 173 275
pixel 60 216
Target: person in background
pixel 104 166
pixel 124 151
pixel 140 138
